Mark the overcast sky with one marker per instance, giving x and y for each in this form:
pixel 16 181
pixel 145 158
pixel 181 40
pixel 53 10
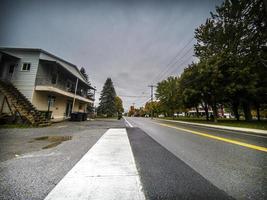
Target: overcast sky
pixel 130 41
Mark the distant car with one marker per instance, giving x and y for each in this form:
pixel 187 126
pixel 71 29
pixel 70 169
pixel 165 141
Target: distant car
pixel 161 115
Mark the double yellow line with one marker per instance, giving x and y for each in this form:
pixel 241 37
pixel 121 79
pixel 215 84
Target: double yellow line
pixel 251 146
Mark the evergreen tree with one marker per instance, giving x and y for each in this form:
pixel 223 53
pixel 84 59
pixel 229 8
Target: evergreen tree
pixel 107 105
pixel 85 75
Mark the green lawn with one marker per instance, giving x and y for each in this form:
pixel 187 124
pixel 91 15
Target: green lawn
pixel 227 122
pixel 15 126
pixel 105 118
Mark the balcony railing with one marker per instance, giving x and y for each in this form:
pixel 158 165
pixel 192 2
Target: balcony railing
pixel 81 91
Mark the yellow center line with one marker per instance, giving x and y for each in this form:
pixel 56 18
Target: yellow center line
pixel 251 146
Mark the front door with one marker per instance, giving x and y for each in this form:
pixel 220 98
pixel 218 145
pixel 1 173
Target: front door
pixel 68 108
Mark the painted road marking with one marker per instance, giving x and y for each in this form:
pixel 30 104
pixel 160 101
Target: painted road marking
pixel 251 146
pixel 128 122
pixel 252 134
pixel 258 131
pixel 106 171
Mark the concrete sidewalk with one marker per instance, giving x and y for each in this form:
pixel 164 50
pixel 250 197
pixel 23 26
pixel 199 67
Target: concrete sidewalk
pixel 250 130
pixel 106 171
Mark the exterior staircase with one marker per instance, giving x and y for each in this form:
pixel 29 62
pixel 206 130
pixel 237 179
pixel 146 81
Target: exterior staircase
pixel 20 104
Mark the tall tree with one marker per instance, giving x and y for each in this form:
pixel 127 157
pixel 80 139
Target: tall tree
pixel 168 94
pixel 152 106
pixel 190 88
pixel 131 111
pixel 107 105
pixel 231 42
pixel 119 105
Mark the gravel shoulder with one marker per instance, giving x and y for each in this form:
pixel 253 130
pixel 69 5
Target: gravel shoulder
pixel 27 171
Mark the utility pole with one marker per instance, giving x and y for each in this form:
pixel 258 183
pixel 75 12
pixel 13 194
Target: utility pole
pixel 151 100
pixel 74 98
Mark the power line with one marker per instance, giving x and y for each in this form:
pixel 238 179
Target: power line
pixel 181 64
pixel 174 64
pixel 170 64
pixel 178 54
pixel 143 104
pixel 151 87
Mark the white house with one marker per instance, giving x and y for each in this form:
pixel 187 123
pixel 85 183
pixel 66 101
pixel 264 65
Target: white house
pixel 47 81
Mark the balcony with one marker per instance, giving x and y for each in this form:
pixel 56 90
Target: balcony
pixel 66 88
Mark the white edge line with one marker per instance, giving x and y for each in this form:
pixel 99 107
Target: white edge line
pixel 52 190
pixel 141 195
pixel 128 122
pixel 249 130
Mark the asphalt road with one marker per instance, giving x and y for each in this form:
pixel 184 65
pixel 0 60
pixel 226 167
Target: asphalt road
pixel 173 161
pixel 219 168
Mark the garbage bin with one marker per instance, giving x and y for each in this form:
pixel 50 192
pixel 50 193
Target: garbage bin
pixel 78 116
pixel 73 116
pixel 84 116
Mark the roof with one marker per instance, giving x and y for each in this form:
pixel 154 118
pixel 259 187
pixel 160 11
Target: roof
pixel 82 78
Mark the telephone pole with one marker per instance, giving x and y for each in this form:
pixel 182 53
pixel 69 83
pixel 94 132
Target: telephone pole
pixel 151 100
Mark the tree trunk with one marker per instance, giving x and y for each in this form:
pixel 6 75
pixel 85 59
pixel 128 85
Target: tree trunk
pixel 206 109
pixel 215 113
pixel 247 111
pixel 222 111
pixel 235 106
pixel 258 113
pixel 197 111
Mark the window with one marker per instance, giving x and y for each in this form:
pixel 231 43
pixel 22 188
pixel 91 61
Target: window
pixel 26 67
pixel 11 69
pixel 51 101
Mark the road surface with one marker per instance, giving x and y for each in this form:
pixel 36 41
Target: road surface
pixel 108 157
pixel 208 161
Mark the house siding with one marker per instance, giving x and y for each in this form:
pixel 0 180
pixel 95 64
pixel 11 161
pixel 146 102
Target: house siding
pixel 40 74
pixel 40 100
pixel 25 80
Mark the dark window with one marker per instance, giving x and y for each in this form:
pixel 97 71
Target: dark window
pixel 11 69
pixel 69 84
pixel 26 67
pixel 51 101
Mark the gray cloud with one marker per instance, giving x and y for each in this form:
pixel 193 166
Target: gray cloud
pixel 129 41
